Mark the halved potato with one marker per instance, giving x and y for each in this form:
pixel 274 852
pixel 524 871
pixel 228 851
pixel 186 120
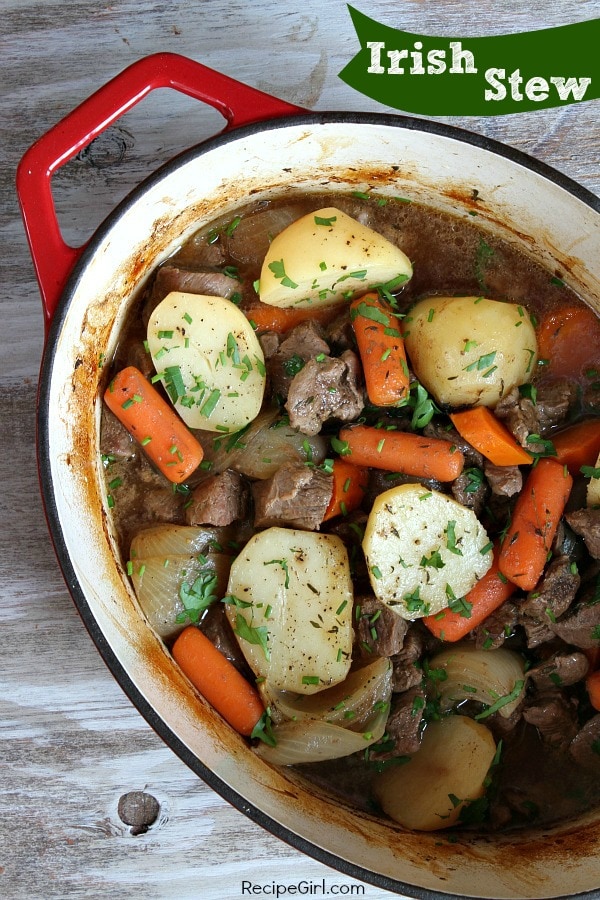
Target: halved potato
pixel 290 606
pixel 423 550
pixel 327 257
pixel 211 362
pixel 448 770
pixel 470 351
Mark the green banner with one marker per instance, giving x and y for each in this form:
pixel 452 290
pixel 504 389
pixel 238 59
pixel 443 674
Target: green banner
pixel 482 76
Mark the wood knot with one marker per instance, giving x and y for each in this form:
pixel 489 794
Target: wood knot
pixel 108 149
pixel 138 809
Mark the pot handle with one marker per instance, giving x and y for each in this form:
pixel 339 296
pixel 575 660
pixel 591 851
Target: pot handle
pixel 53 258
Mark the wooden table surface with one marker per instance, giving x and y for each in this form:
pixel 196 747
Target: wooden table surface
pixel 72 744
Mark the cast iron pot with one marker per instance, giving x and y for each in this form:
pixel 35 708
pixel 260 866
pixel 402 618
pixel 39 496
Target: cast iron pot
pixel 267 148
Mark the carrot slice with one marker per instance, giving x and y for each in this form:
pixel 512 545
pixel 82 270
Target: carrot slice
pixel 403 451
pixel 536 515
pixel 480 427
pixel 349 485
pixel 485 596
pixel 163 436
pixel 578 445
pixel 274 318
pixel 569 340
pixel 381 348
pixel 592 684
pixel 218 680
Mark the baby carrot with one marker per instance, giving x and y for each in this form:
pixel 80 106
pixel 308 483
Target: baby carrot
pixel 349 485
pixel 592 683
pixel 578 445
pixel 485 596
pixel 265 317
pixel 535 518
pixel 162 434
pixel 403 451
pixel 569 340
pixel 480 427
pixel 381 348
pixel 218 680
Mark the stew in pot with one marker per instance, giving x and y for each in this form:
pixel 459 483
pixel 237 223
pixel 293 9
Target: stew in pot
pixel 352 455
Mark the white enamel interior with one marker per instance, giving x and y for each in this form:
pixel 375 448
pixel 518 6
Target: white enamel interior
pixel 545 218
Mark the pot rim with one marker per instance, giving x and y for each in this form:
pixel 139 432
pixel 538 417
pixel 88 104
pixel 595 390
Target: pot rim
pixel 43 425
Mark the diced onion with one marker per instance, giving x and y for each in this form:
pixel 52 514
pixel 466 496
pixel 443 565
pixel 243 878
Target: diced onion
pixel 157 582
pixel 175 540
pixel 334 723
pixel 163 558
pixel 260 449
pixel 494 677
pixel 349 704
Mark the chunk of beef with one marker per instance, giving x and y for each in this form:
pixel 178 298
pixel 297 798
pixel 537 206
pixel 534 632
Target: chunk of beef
pixel 407 671
pixel 325 390
pixel 554 400
pixel 304 342
pixel 586 523
pixel 561 669
pixel 520 417
pixel 380 631
pixel 219 500
pixel 441 430
pixel 523 416
pixel 536 632
pixel 115 440
pixel 580 626
pixel 340 333
pixel 269 342
pixel 215 626
pixel 295 495
pixel 585 746
pixel 504 481
pixel 554 715
pixel 206 280
pixel 497 627
pixel 501 726
pixel 470 490
pixel 554 593
pixel 403 725
pixel 380 481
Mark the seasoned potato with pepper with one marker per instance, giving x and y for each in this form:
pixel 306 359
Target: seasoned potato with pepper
pixel 470 351
pixel 424 550
pixel 209 359
pixel 290 605
pixel 327 257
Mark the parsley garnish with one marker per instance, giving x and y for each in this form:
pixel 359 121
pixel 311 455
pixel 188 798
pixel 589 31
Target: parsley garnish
pixel 278 269
pixel 197 597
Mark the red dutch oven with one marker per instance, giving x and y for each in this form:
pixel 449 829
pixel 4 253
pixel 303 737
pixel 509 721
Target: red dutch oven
pixel 267 148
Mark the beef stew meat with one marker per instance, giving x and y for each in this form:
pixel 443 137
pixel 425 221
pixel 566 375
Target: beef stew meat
pixel 369 593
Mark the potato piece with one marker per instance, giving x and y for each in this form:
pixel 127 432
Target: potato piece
pixel 470 351
pixel 423 550
pixel 448 770
pixel 211 362
pixel 325 258
pixel 593 488
pixel 291 608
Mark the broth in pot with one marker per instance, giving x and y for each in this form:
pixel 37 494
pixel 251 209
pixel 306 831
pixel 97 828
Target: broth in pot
pixel 351 448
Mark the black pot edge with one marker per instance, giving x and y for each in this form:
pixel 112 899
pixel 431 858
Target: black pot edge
pixel 43 424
